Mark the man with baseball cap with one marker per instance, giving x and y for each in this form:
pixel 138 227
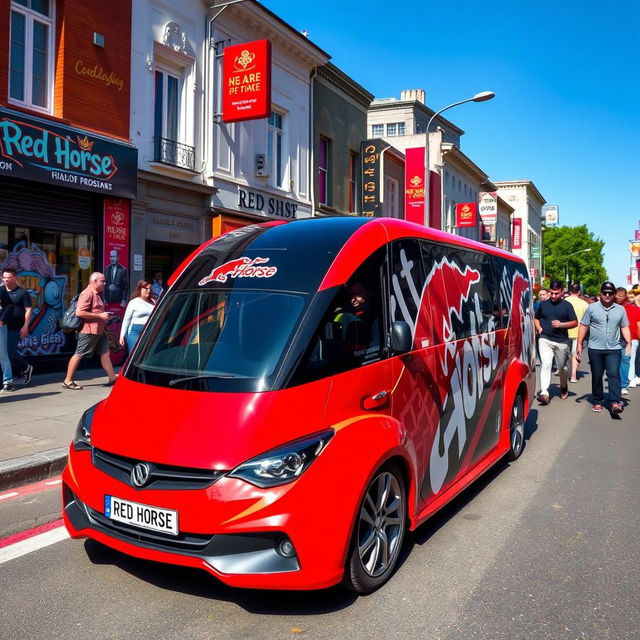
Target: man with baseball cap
pixel 608 328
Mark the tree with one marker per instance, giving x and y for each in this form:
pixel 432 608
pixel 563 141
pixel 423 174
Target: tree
pixel 586 267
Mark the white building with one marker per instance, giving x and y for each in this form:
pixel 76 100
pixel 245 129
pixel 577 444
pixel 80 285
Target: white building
pixel 244 191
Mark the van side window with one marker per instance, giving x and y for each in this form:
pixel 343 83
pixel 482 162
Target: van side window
pixel 506 271
pixel 352 332
pixel 408 300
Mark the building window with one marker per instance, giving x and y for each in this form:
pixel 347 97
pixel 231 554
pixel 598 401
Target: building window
pixel 395 129
pixel 390 206
pixel 324 168
pixel 275 148
pixel 30 54
pixel 353 182
pixel 377 130
pixel 167 118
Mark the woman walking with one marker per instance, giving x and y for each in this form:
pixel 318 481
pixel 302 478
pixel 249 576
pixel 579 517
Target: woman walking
pixel 136 315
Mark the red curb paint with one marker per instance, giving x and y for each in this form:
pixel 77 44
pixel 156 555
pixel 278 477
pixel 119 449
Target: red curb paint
pixel 29 533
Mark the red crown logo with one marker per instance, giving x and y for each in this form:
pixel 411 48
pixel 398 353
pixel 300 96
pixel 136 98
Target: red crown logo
pixel 84 143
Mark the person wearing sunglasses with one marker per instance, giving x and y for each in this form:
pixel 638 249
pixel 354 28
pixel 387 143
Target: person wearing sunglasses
pixel 609 335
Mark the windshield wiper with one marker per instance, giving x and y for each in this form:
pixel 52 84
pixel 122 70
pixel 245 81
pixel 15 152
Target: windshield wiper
pixel 202 376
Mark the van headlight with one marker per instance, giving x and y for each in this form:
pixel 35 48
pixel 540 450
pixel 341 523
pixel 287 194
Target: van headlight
pixel 284 464
pixel 82 437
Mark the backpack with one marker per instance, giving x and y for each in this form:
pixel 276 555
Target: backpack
pixel 70 321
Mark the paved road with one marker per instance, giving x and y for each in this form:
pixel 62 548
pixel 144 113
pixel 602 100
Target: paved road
pixel 544 548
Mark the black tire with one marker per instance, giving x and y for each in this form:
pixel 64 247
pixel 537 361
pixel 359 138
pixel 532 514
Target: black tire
pixel 378 532
pixel 516 429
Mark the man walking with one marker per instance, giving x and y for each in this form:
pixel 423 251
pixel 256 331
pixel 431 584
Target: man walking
pixel 579 306
pixel 627 362
pixel 91 338
pixel 608 328
pixel 553 319
pixel 16 316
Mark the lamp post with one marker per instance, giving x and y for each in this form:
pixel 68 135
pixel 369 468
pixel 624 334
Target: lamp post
pixel 479 97
pixel 575 253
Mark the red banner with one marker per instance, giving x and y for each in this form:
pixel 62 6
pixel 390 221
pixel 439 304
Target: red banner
pixel 466 214
pixel 414 185
pixel 117 232
pixel 637 234
pixel 246 81
pixel 516 233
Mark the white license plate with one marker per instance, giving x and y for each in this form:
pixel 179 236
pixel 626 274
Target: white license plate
pixel 141 515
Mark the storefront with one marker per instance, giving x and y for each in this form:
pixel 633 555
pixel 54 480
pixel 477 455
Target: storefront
pixel 64 207
pixel 236 205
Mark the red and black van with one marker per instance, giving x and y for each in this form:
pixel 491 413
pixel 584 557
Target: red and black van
pixel 303 393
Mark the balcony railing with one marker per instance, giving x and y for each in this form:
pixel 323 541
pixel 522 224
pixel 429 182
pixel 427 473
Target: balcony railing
pixel 174 153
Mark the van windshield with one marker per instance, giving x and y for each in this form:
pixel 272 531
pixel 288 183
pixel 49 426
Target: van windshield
pixel 216 339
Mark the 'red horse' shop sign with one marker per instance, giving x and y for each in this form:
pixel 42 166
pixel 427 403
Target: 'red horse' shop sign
pixel 246 78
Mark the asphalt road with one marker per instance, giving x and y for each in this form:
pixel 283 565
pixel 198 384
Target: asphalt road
pixel 547 547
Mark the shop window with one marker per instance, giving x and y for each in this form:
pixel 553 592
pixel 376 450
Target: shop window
pixel 53 266
pixel 31 54
pixel 275 148
pixel 390 205
pixel 324 171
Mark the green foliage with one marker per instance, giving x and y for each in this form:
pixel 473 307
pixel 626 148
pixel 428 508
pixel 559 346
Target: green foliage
pixel 586 267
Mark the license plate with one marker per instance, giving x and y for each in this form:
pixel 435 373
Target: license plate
pixel 141 515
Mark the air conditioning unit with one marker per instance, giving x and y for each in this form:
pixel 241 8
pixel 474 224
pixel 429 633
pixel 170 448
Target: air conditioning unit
pixel 262 166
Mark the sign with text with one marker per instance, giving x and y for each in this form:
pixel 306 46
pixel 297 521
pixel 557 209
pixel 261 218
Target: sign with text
pixel 414 187
pixel 372 177
pixel 246 81
pixel 551 215
pixel 488 207
pixel 36 149
pixel 117 231
pixel 516 233
pixel 466 214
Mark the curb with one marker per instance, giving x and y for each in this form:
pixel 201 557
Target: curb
pixel 27 469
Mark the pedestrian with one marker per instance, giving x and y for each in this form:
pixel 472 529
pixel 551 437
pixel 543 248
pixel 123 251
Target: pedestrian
pixel 579 306
pixel 5 362
pixel 636 381
pixel 156 286
pixel 627 361
pixel 543 294
pixel 608 328
pixel 136 315
pixel 91 337
pixel 553 319
pixel 16 316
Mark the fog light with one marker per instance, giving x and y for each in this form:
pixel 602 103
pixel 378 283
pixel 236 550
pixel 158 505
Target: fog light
pixel 285 548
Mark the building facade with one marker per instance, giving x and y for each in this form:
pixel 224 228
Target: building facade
pixel 339 127
pixel 67 171
pixel 261 168
pixel 526 222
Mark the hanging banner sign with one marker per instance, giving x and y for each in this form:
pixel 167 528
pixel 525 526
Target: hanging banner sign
pixel 516 237
pixel 466 214
pixel 634 249
pixel 637 234
pixel 372 177
pixel 36 149
pixel 414 178
pixel 488 207
pixel 116 233
pixel 246 81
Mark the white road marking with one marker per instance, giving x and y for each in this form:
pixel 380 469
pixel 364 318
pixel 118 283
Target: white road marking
pixel 34 543
pixel 4 496
pixel 54 482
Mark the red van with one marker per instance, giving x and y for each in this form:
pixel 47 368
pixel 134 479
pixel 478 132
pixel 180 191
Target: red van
pixel 303 394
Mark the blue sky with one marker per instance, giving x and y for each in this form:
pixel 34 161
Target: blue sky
pixel 566 76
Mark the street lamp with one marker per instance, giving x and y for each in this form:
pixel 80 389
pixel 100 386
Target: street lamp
pixel 479 97
pixel 575 253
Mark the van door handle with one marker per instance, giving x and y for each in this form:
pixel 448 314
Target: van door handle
pixel 375 401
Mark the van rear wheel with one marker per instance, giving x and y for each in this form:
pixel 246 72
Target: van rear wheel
pixel 378 532
pixel 516 429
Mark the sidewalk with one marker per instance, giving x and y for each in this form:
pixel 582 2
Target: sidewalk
pixel 37 423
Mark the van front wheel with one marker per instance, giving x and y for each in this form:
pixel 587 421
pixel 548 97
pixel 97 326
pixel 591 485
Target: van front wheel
pixel 516 429
pixel 378 532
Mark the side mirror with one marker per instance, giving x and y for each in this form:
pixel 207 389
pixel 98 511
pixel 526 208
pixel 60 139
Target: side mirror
pixel 401 340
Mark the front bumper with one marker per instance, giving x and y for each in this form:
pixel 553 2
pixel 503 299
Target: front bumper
pixel 231 529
